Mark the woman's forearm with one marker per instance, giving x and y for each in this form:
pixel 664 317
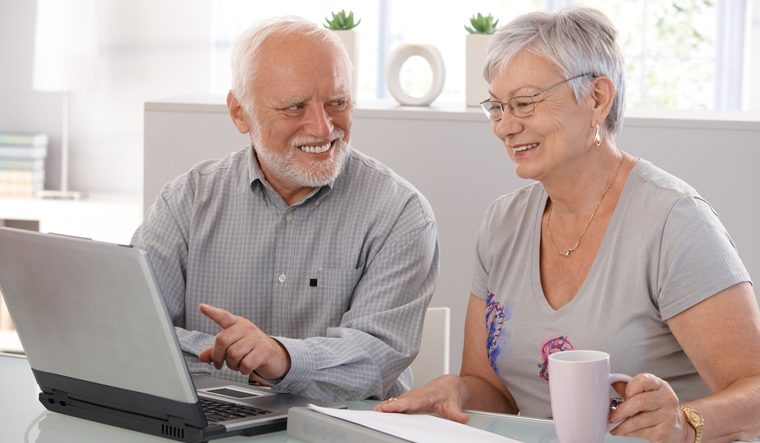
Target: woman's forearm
pixel 731 414
pixel 480 395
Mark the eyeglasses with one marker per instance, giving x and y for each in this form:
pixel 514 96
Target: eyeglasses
pixel 522 106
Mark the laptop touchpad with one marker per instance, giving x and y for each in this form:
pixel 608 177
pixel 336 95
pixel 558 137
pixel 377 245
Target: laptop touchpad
pixel 234 392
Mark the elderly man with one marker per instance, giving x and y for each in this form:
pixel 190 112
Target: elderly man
pixel 296 260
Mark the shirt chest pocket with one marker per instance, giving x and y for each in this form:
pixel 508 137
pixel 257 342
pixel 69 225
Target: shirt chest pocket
pixel 334 291
pixel 340 280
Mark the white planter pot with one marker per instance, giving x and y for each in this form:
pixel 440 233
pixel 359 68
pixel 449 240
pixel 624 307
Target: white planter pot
pixel 350 40
pixel 476 88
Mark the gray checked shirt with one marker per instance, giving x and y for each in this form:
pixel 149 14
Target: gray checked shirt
pixel 341 278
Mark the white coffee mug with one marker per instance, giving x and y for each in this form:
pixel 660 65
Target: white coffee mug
pixel 579 387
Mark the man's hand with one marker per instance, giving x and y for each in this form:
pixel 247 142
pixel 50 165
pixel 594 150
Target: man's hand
pixel 244 347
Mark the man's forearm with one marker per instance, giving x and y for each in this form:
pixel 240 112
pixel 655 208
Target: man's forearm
pixel 351 365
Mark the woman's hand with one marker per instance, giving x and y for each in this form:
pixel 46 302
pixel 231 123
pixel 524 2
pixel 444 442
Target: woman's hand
pixel 651 412
pixel 442 396
pixel 478 387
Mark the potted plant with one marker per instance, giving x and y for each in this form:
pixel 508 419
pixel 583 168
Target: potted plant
pixel 343 26
pixel 476 88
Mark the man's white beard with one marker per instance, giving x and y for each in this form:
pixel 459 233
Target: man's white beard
pixel 288 170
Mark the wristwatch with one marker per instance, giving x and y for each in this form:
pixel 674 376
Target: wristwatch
pixel 695 421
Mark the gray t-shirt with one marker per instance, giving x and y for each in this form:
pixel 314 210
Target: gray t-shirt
pixel 664 251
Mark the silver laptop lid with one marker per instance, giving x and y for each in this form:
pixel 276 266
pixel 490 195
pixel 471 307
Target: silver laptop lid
pixel 60 289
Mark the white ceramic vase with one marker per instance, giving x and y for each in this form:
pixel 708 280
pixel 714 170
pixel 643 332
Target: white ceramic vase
pixel 476 88
pixel 350 40
pixel 396 60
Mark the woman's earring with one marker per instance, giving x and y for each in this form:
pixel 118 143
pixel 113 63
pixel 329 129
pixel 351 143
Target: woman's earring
pixel 597 139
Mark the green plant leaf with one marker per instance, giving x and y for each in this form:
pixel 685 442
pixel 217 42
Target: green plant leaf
pixel 482 24
pixel 340 21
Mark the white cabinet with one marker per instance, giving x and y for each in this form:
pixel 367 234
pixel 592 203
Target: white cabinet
pixel 102 216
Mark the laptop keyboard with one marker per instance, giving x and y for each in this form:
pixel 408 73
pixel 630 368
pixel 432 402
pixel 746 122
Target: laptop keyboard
pixel 217 411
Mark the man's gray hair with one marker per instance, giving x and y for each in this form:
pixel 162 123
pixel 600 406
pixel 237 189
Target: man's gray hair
pixel 578 40
pixel 247 50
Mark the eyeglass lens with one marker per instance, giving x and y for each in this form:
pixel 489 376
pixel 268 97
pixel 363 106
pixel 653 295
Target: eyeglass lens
pixel 519 106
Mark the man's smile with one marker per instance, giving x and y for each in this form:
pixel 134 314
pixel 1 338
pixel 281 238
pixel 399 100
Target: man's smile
pixel 316 149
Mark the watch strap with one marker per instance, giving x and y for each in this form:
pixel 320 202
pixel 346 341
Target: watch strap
pixel 693 422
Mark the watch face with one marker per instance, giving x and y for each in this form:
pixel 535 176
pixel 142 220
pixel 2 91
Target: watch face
pixel 695 417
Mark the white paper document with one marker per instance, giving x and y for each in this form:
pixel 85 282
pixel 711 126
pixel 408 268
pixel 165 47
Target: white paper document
pixel 415 428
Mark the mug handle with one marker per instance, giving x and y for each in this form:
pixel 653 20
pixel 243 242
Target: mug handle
pixel 614 378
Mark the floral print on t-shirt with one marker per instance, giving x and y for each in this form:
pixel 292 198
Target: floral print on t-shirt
pixel 499 343
pixel 548 347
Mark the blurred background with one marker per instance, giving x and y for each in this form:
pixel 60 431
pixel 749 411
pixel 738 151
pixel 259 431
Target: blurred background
pixel 681 54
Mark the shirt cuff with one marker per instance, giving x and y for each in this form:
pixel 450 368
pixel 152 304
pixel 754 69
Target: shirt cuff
pixel 193 342
pixel 301 366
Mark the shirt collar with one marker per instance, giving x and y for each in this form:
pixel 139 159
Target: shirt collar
pixel 254 169
pixel 342 171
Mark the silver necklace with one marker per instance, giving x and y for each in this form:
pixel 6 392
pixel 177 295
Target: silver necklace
pixel 566 254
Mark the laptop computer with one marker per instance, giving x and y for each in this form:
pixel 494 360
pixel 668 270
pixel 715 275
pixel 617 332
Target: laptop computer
pixel 102 347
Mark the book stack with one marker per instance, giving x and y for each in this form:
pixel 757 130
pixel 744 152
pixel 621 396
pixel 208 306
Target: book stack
pixel 22 163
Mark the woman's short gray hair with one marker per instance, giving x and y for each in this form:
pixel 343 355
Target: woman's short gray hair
pixel 578 40
pixel 247 49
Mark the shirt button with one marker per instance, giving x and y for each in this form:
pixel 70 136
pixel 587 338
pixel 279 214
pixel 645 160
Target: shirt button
pixel 282 278
pixel 289 216
pixel 317 203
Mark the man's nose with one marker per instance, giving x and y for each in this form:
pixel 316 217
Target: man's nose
pixel 319 123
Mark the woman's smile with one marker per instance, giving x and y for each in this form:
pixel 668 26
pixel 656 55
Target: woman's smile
pixel 523 147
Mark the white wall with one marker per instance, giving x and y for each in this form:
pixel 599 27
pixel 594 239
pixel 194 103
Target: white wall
pixel 147 49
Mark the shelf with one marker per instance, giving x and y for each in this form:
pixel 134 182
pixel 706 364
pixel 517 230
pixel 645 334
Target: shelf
pixel 389 109
pixel 110 217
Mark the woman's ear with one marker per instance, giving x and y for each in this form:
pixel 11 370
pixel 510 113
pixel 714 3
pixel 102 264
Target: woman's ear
pixel 602 94
pixel 237 113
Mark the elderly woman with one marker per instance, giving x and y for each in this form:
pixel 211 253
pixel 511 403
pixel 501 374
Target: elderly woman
pixel 604 251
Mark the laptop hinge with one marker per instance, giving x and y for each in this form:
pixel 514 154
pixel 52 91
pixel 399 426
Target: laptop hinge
pixel 60 397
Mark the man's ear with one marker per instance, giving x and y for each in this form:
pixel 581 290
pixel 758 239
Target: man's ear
pixel 603 93
pixel 237 113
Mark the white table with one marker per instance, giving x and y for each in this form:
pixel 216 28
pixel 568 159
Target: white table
pixel 24 419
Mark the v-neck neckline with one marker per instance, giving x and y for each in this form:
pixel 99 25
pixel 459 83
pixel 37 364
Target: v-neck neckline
pixel 601 255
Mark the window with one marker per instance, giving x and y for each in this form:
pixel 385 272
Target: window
pixel 681 53
pixel 685 54
pixel 669 50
